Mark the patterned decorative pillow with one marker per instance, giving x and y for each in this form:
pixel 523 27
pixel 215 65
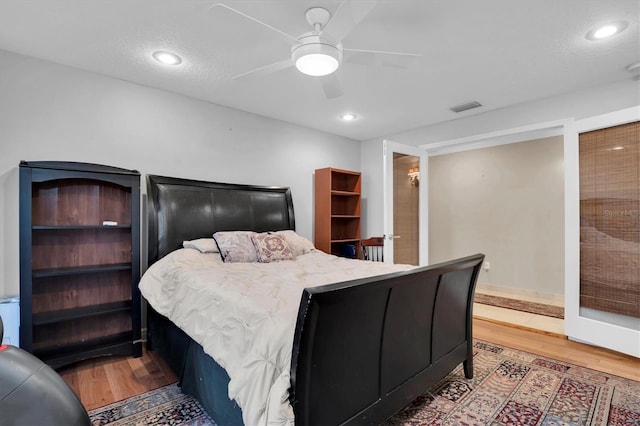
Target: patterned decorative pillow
pixel 236 246
pixel 299 245
pixel 271 247
pixel 203 245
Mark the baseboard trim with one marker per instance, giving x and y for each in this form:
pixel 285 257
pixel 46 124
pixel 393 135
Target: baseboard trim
pixel 555 299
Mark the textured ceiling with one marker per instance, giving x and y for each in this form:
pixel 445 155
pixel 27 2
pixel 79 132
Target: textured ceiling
pixel 498 52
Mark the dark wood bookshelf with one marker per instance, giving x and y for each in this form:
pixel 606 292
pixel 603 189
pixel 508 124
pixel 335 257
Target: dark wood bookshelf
pixel 78 276
pixel 53 272
pixel 116 344
pixel 53 317
pixel 66 228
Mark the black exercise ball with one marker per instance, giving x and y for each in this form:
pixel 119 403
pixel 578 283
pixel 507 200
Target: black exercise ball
pixel 32 393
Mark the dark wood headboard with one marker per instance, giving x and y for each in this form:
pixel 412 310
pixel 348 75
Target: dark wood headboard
pixel 184 209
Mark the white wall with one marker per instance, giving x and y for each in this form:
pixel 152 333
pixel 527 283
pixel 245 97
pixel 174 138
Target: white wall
pixel 372 160
pixel 53 112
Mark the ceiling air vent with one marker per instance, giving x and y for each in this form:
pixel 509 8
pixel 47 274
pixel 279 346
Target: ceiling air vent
pixel 464 107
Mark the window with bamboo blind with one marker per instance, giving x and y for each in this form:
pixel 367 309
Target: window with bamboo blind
pixel 610 219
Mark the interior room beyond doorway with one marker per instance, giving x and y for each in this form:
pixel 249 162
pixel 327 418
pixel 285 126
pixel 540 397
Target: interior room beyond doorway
pixel 506 201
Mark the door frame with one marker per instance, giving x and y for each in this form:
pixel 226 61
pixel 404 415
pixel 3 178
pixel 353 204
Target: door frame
pixel 389 148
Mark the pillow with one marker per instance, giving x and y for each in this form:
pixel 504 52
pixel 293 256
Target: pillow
pixel 235 246
pixel 271 247
pixel 203 245
pixel 299 245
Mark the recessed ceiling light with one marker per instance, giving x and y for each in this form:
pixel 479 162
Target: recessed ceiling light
pixel 635 70
pixel 348 117
pixel 617 148
pixel 167 58
pixel 606 30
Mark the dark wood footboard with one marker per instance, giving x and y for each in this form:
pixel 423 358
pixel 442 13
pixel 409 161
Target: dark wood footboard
pixel 364 349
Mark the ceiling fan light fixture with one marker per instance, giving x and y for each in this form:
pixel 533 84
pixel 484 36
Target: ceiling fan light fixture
pixel 316 59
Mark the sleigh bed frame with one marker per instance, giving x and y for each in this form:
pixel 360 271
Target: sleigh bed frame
pixel 362 350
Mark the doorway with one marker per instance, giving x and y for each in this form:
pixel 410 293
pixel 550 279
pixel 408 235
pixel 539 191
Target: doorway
pixel 599 331
pixel 406 203
pixel 399 161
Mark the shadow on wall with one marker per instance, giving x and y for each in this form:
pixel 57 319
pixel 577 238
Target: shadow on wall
pixel 9 236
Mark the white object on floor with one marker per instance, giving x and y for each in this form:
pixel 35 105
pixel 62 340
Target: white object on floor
pixel 10 313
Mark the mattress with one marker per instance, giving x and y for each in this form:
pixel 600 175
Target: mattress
pixel 244 316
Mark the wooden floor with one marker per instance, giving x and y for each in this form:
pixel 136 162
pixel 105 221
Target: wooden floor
pixel 558 347
pixel 103 381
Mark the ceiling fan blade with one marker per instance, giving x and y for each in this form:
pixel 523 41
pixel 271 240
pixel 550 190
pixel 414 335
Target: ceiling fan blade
pixel 378 57
pixel 347 16
pixel 331 86
pixel 289 38
pixel 267 69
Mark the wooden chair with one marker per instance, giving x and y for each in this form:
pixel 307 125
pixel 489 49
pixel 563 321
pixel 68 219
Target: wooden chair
pixel 372 249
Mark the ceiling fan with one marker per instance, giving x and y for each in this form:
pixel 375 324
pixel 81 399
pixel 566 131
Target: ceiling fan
pixel 319 53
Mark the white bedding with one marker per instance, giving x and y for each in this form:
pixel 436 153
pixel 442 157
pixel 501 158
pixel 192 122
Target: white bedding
pixel 244 316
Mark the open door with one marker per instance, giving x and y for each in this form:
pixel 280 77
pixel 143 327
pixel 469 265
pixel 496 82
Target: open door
pixel 417 159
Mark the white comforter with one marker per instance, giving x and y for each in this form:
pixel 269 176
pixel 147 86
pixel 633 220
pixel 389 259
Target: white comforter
pixel 244 316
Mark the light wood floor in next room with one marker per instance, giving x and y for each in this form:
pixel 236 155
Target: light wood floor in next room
pixel 519 319
pixel 106 380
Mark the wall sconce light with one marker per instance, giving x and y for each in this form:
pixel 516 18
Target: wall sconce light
pixel 414 176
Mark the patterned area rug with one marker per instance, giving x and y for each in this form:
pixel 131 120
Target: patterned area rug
pixel 510 387
pixel 520 305
pixel 163 406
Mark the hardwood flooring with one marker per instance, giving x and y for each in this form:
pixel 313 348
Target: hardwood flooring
pixel 558 347
pixel 102 381
pixel 106 380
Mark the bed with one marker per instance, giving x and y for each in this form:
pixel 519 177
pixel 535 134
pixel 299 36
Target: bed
pixel 360 349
